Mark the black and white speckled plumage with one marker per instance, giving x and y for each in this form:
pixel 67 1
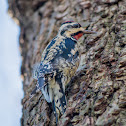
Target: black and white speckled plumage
pixel 59 62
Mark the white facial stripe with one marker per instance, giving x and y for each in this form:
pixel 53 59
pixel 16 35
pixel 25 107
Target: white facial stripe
pixel 74 30
pixel 64 25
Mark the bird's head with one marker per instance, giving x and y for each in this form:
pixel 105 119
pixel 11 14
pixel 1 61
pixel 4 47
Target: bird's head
pixel 73 29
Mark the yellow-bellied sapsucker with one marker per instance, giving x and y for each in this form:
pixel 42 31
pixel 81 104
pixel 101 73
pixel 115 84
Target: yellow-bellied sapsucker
pixel 59 62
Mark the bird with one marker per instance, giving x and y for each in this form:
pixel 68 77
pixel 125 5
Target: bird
pixel 59 62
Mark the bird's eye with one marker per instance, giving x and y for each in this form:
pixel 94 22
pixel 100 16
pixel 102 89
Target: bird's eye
pixel 76 26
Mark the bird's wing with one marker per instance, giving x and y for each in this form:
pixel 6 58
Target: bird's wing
pixel 41 72
pixel 45 70
pixel 46 73
pixel 59 47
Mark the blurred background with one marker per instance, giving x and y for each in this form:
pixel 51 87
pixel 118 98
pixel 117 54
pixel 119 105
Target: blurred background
pixel 11 91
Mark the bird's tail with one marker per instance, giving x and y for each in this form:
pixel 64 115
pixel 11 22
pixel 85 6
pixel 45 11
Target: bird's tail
pixel 59 103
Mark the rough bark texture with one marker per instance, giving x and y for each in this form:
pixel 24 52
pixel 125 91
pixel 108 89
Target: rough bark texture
pixel 97 93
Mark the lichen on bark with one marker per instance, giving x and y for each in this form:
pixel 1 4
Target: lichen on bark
pixel 97 93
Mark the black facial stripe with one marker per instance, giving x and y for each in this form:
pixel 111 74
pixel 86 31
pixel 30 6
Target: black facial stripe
pixel 76 33
pixel 76 26
pixel 62 32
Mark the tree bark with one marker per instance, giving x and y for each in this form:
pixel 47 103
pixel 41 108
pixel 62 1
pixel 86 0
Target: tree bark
pixel 96 96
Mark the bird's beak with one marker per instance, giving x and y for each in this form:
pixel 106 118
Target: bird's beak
pixel 89 32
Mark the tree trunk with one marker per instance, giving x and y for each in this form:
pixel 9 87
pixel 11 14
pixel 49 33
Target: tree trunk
pixel 96 96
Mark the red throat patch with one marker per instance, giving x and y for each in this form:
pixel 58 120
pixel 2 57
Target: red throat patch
pixel 78 36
